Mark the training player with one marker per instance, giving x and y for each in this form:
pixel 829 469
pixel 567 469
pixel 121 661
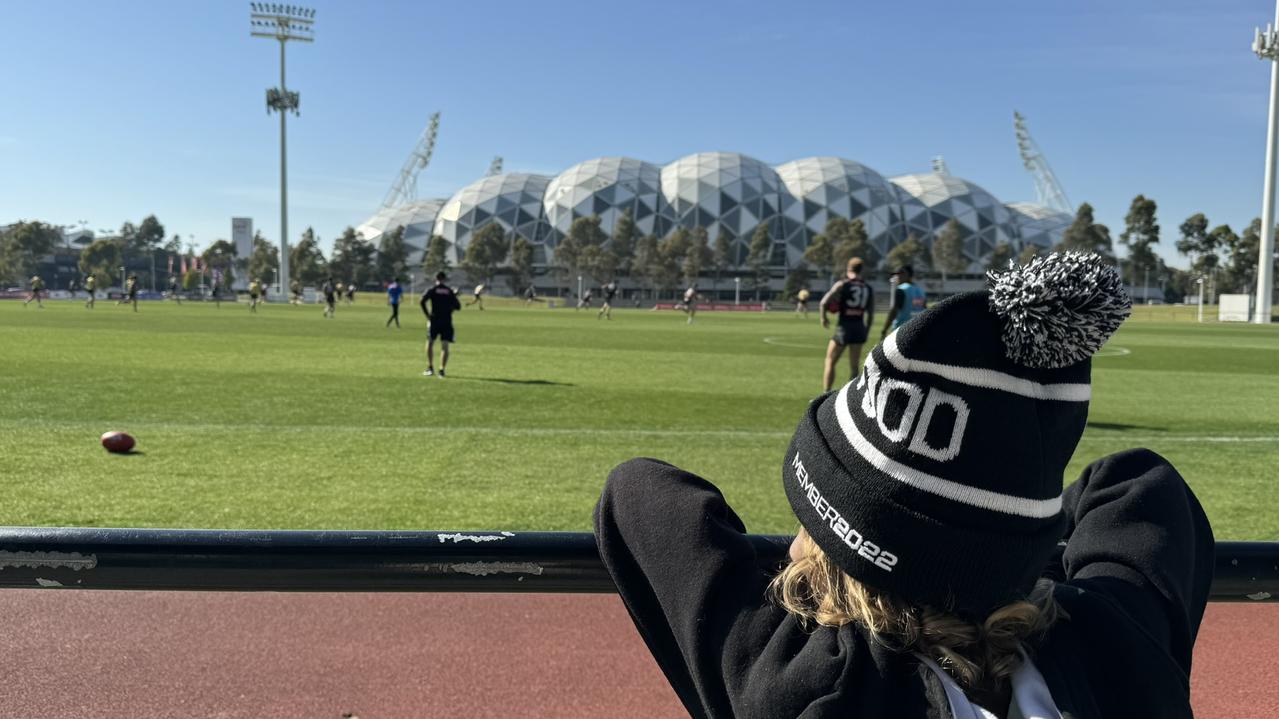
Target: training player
pixel 585 299
pixel 909 299
pixel 610 291
pixel 295 288
pixel 439 321
pixel 393 292
pixel 854 302
pixel 689 303
pixel 801 302
pixel 350 293
pixel 330 299
pixel 131 292
pixel 90 285
pixel 255 289
pixel 530 295
pixel 37 286
pixel 477 297
pixel 173 289
pixel 216 291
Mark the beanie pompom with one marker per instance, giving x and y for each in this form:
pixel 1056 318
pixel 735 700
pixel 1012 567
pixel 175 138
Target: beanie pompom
pixel 1058 310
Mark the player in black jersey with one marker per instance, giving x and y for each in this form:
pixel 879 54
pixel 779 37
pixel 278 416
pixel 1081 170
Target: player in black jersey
pixel 854 302
pixel 609 291
pixel 439 321
pixel 330 299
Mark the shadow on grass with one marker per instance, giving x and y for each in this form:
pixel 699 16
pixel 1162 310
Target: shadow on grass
pixel 504 380
pixel 1120 427
pixel 130 453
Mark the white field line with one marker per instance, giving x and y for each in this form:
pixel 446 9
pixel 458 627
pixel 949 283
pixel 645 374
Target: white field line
pixel 1097 436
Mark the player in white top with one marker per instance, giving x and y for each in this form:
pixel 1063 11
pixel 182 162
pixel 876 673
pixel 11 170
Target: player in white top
pixel 478 296
pixel 689 304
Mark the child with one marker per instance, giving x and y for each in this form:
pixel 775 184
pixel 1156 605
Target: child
pixel 928 492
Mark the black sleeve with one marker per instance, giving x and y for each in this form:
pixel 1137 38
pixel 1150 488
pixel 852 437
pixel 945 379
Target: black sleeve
pixel 422 302
pixel 1137 534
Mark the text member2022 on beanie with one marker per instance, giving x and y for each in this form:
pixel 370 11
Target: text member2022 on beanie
pixel 936 475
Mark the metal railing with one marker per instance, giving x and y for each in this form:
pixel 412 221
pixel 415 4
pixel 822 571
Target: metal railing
pixel 390 561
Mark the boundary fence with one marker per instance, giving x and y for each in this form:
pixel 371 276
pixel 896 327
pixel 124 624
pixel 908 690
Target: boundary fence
pixel 390 561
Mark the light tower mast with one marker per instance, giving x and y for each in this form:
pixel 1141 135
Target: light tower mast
pixel 495 167
pixel 404 189
pixel 1048 191
pixel 283 23
pixel 1266 45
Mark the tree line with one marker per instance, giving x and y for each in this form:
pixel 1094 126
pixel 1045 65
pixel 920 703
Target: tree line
pixel 1225 259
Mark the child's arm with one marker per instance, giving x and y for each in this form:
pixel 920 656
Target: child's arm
pixel 1137 534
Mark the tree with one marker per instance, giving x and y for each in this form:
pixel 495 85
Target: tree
pixel 849 240
pixel 1240 273
pixel 392 254
pixel 646 263
pixel 1141 230
pixel 436 258
pixel 101 259
pixel 1200 245
pixel 761 250
pixel 908 252
pixel 149 235
pixel 353 258
pixel 486 250
pixel 623 245
pixel 1085 235
pixel 820 254
pixel 221 256
pixel 571 251
pixel 1000 257
pixel 697 256
pixel 22 246
pixel 306 261
pixel 1028 253
pixel 174 245
pixel 521 265
pixel 948 251
pixel 671 253
pixel 796 280
pixel 722 255
pixel 264 261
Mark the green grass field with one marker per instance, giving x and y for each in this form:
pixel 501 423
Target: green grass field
pixel 287 420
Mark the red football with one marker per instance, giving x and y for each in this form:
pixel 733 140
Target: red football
pixel 119 442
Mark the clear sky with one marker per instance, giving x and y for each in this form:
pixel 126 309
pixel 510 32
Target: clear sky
pixel 112 111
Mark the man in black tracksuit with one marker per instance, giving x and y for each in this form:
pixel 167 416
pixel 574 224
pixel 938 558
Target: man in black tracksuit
pixel 935 479
pixel 439 320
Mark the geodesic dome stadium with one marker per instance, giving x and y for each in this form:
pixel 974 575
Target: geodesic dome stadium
pixel 606 187
pixel 929 200
pixel 1038 225
pixel 417 218
pixel 726 192
pixel 830 187
pixel 513 200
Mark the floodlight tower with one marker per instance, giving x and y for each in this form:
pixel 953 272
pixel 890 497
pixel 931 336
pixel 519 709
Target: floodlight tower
pixel 495 167
pixel 1266 45
pixel 283 23
pixel 404 189
pixel 1048 191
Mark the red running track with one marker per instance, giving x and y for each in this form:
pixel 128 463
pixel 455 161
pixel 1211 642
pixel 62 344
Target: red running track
pixel 150 654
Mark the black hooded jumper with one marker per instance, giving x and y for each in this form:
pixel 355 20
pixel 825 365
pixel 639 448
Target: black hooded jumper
pixel 1134 580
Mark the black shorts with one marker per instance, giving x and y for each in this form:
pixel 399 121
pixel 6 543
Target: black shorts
pixel 442 330
pixel 849 333
pixel 253 295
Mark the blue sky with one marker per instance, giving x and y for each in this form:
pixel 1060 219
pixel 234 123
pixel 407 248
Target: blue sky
pixel 116 110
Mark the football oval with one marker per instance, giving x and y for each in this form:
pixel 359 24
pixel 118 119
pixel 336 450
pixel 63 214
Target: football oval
pixel 117 442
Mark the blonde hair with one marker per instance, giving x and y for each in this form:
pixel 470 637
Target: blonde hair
pixel 980 656
pixel 855 265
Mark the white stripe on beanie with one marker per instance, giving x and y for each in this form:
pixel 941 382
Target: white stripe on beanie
pixel 963 493
pixel 986 378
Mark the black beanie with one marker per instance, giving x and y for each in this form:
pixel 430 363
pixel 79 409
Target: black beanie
pixel 936 475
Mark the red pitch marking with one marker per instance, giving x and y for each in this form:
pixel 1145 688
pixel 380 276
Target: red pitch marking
pixel 170 654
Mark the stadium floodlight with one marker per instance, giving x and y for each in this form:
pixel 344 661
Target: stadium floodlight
pixel 282 23
pixel 1266 45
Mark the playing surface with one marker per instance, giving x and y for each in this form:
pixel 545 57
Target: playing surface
pixel 285 419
